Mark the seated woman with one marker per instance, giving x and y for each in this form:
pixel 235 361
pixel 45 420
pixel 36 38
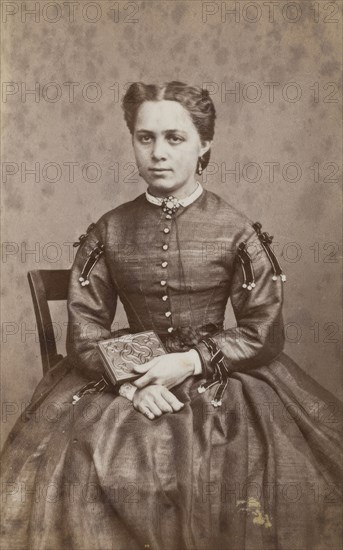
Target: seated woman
pixel 223 442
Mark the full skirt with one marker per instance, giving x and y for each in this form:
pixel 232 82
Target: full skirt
pixel 261 472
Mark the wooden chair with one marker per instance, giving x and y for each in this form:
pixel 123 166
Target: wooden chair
pixel 47 285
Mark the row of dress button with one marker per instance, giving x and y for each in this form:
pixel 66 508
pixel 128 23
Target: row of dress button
pixel 164 264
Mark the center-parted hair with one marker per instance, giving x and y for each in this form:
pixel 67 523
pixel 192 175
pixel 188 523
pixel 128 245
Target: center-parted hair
pixel 194 99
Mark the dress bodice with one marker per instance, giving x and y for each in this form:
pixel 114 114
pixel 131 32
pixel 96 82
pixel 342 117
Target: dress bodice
pixel 171 273
pixel 176 272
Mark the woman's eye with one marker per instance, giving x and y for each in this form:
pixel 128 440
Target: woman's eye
pixel 175 139
pixel 145 139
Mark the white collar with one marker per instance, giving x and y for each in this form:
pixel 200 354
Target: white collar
pixel 184 202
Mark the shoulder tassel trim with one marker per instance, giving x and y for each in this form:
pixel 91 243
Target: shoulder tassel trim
pixel 266 240
pixel 220 373
pixel 92 259
pixel 247 268
pixel 83 236
pixel 97 386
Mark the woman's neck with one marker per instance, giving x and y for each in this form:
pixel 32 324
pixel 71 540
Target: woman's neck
pixel 180 193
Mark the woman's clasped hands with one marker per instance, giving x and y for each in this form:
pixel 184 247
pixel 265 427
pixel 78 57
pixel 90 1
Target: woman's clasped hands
pixel 152 397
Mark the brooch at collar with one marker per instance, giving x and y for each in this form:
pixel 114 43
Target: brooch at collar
pixel 170 205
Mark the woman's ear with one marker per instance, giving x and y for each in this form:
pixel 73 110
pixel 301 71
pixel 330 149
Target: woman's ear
pixel 205 146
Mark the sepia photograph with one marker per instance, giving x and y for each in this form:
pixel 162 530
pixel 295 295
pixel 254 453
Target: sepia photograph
pixel 171 275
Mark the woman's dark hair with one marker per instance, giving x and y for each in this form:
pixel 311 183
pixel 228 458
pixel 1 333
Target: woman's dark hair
pixel 193 98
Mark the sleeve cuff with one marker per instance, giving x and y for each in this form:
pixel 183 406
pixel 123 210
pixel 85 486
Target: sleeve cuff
pixel 205 358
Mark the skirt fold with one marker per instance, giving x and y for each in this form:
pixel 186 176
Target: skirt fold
pixel 261 472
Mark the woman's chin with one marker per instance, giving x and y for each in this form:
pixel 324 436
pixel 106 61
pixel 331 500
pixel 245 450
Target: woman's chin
pixel 162 185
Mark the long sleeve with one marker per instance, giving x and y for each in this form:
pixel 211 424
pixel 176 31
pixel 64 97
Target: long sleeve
pixel 259 335
pixel 92 306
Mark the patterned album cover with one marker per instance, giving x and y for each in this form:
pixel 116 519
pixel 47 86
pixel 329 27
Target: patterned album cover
pixel 120 354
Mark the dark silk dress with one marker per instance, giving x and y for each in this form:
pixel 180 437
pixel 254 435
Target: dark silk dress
pixel 261 471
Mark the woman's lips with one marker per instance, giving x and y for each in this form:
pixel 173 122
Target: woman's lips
pixel 159 172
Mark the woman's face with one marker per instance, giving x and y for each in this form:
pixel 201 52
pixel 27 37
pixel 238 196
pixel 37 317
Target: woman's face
pixel 167 146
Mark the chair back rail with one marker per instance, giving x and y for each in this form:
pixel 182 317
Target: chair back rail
pixel 47 285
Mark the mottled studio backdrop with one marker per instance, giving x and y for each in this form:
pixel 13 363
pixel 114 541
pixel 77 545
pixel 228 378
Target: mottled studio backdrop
pixel 273 69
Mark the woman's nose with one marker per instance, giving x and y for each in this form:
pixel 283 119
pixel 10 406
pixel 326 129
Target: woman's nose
pixel 159 149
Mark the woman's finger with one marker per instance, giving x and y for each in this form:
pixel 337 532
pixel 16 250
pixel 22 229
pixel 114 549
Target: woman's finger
pixel 163 404
pixel 145 367
pixel 141 369
pixel 154 408
pixel 147 412
pixel 143 381
pixel 172 400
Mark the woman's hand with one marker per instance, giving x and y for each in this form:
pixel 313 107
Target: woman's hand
pixel 167 370
pixel 155 400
